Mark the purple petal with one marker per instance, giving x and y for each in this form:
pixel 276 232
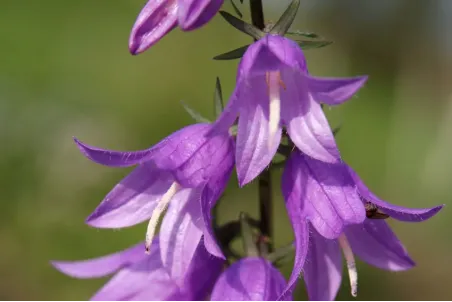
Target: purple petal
pixel 114 158
pixel 249 279
pixel 271 53
pixel 103 266
pixel 292 189
pixel 334 91
pixel 323 268
pixel 309 129
pixel 209 198
pixel 214 158
pixel 396 212
pixel 202 274
pixel 375 243
pixel 253 152
pixel 130 282
pixel 155 20
pixel 181 232
pixel 324 193
pixel 195 13
pixel 133 199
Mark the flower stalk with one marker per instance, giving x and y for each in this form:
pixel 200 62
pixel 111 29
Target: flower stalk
pixel 265 184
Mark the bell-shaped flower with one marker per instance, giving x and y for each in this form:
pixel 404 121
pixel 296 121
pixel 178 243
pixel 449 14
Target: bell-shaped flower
pixel 274 89
pixel 333 200
pixel 142 277
pixel 158 17
pixel 249 279
pixel 185 173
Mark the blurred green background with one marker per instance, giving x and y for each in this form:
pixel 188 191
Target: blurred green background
pixel 65 71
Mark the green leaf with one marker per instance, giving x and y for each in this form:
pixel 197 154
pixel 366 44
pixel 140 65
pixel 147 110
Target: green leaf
pixel 281 254
pixel 236 9
pixel 247 236
pixel 336 130
pixel 195 115
pixel 218 98
pixel 241 25
pixel 303 34
pixel 233 54
pixel 313 44
pixel 283 24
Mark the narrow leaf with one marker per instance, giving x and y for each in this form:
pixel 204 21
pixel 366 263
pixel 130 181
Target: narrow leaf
pixel 233 54
pixel 236 9
pixel 283 24
pixel 195 115
pixel 336 130
pixel 303 34
pixel 247 236
pixel 313 44
pixel 241 25
pixel 218 98
pixel 281 253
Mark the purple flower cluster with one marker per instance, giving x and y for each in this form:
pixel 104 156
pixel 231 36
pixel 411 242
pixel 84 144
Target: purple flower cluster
pixel 179 180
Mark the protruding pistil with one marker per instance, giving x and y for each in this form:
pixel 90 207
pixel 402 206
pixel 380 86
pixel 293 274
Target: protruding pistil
pixel 351 265
pixel 157 214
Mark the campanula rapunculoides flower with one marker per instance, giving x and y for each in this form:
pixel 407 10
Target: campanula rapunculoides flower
pixel 158 17
pixel 144 277
pixel 333 199
pixel 249 279
pixel 274 89
pixel 186 173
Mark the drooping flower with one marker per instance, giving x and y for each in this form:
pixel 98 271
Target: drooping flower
pixel 186 173
pixel 274 89
pixel 144 277
pixel 158 17
pixel 334 202
pixel 249 279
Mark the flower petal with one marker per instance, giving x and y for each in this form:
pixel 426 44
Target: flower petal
pixel 375 243
pixel 214 158
pixel 181 232
pixel 249 279
pixel 271 53
pixel 195 13
pixel 253 152
pixel 155 20
pixel 308 127
pixel 209 198
pixel 114 158
pixel 396 212
pixel 105 265
pixel 292 190
pixel 325 194
pixel 133 199
pixel 202 274
pixel 334 91
pixel 322 268
pixel 145 276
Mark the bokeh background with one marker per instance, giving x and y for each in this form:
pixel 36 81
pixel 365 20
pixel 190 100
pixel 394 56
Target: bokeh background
pixel 65 71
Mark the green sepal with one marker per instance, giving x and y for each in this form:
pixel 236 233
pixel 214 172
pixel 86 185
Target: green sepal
pixel 285 21
pixel 236 9
pixel 194 114
pixel 313 44
pixel 241 25
pixel 218 98
pixel 249 246
pixel 233 54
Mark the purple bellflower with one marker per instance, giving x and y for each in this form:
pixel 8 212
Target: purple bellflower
pixel 274 89
pixel 328 205
pixel 144 277
pixel 186 173
pixel 249 279
pixel 158 17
